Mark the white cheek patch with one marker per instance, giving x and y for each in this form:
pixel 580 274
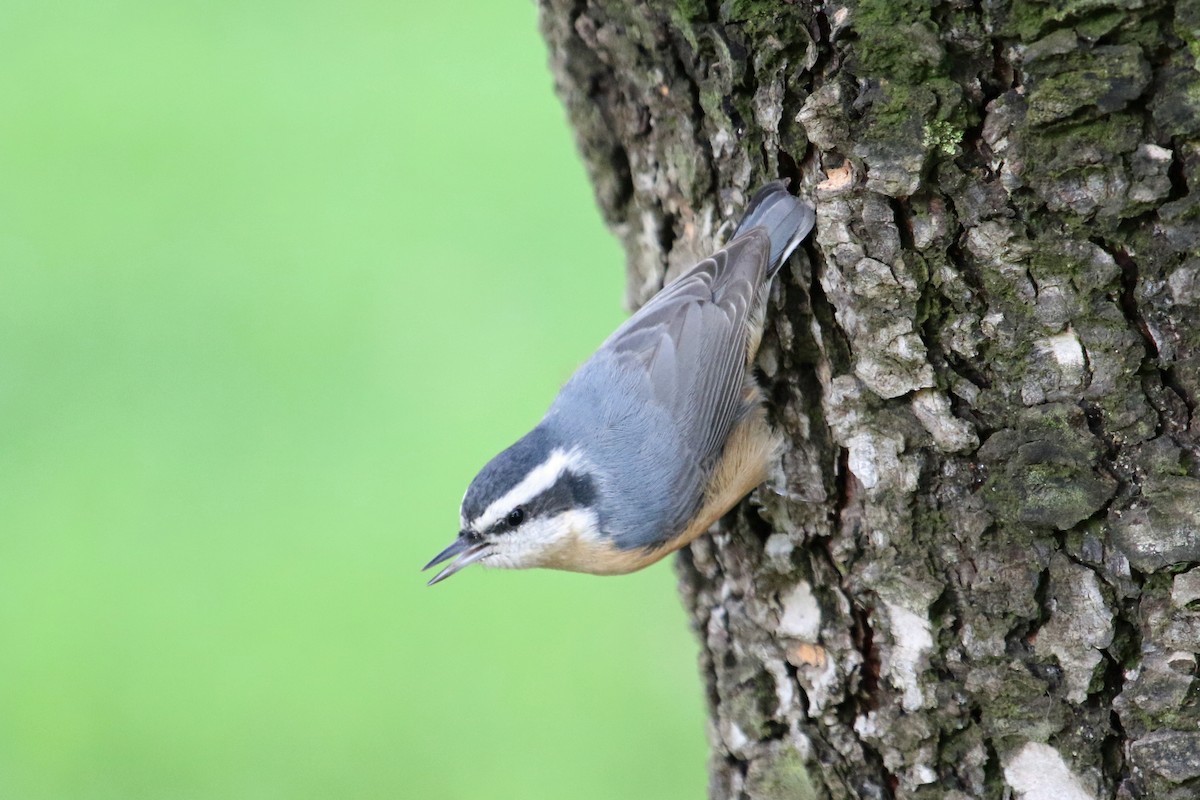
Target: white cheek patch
pixel 535 542
pixel 539 479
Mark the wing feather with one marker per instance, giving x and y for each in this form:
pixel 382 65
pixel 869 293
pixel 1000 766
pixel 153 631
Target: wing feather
pixel 690 339
pixel 656 403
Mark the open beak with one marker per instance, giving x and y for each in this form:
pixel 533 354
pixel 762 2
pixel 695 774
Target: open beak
pixel 466 547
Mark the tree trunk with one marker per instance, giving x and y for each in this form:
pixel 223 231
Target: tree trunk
pixel 976 571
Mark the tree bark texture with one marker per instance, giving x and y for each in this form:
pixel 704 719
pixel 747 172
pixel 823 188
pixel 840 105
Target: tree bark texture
pixel 976 573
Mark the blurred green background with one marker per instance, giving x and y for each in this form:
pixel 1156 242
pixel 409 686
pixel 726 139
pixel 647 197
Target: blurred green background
pixel 276 278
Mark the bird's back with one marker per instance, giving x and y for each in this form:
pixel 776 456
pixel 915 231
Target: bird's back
pixel 655 404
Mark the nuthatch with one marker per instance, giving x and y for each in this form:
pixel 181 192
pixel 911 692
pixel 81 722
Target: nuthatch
pixel 656 436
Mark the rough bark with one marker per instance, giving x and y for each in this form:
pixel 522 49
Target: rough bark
pixel 977 571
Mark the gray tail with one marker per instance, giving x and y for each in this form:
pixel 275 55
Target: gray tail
pixel 786 219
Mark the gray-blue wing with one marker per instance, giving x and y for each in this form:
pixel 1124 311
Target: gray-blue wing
pixel 690 339
pixel 659 398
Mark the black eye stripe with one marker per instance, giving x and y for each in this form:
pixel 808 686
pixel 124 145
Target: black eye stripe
pixel 569 491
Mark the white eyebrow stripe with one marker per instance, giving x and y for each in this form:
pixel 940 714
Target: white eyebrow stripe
pixel 539 479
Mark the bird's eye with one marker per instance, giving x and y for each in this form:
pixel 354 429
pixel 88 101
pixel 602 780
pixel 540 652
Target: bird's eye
pixel 515 517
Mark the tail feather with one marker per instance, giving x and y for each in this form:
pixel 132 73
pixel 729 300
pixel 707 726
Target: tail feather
pixel 786 219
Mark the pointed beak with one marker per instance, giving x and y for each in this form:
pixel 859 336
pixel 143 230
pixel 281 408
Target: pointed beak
pixel 466 547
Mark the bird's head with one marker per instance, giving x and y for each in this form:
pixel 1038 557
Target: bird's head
pixel 531 506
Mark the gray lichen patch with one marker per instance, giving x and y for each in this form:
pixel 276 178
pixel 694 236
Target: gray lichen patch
pixel 1157 687
pixel 874 458
pixel 876 455
pixel 1175 755
pixel 1157 703
pixel 1079 628
pixel 875 293
pixel 1185 588
pixel 824 116
pixel 906 744
pixel 950 434
pixel 1151 182
pixel 1045 472
pixel 1163 528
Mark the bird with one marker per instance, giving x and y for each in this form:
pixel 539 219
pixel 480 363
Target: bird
pixel 657 435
